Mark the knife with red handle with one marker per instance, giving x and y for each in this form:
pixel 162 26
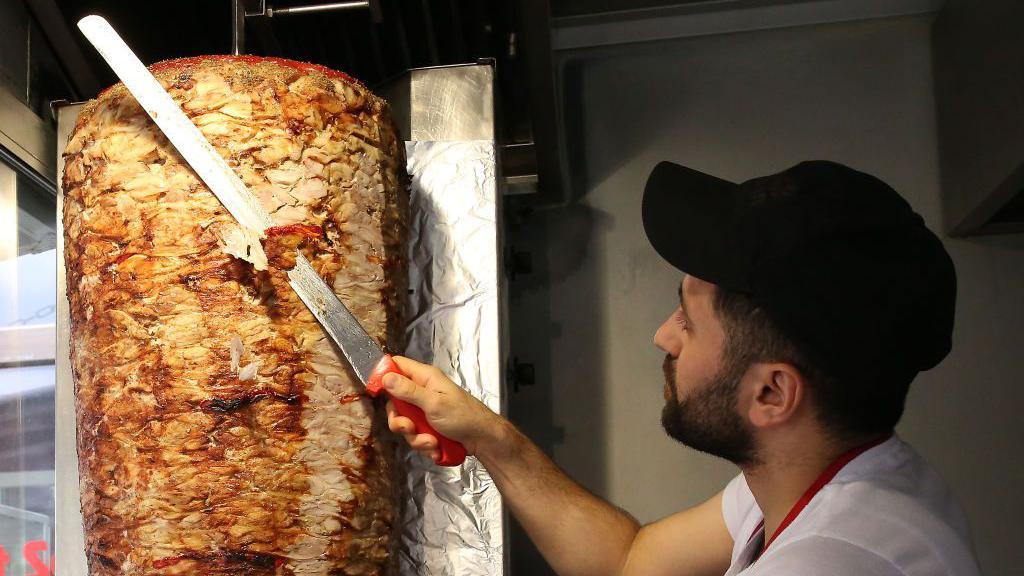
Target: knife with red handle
pixel 451 452
pixel 368 360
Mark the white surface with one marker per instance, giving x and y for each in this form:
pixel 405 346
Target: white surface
pixel 739 106
pixel 886 509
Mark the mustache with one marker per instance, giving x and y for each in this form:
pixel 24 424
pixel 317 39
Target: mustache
pixel 669 369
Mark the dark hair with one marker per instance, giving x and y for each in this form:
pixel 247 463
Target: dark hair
pixel 850 405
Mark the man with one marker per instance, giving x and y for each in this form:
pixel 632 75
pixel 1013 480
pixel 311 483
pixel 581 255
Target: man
pixel 810 300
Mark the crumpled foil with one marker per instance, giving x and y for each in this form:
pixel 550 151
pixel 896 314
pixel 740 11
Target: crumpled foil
pixel 453 517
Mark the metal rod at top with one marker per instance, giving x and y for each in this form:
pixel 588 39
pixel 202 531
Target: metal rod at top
pixel 237 27
pixel 239 14
pixel 271 12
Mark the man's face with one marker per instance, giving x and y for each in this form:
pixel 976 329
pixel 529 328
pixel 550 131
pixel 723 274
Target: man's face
pixel 701 385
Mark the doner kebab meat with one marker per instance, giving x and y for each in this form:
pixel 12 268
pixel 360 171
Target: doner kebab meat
pixel 219 432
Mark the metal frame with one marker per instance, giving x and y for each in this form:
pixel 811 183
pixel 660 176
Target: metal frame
pixel 9 245
pixel 26 141
pixel 711 17
pixel 26 148
pixel 240 12
pixel 548 179
pixel 29 478
pixel 69 55
pixel 8 212
pixel 70 537
pixel 32 345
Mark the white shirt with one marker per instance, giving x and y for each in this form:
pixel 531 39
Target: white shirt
pixel 885 513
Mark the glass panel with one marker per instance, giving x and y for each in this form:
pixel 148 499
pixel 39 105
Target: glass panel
pixel 37 258
pixel 27 375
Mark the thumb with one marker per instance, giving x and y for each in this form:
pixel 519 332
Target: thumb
pixel 403 388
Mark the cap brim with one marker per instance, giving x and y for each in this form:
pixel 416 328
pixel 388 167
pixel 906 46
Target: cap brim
pixel 690 219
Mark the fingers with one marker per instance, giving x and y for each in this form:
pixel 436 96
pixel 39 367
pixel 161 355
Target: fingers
pixel 405 389
pixel 416 370
pixel 421 442
pixel 401 425
pixel 407 428
pixel 423 374
pixel 424 443
pixel 441 403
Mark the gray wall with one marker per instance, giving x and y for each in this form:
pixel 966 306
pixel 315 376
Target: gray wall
pixel 739 106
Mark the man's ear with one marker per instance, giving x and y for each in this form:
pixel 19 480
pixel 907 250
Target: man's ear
pixel 777 392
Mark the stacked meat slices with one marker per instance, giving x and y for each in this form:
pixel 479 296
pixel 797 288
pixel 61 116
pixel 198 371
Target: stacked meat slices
pixel 218 430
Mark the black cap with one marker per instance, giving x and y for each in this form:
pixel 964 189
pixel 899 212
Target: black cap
pixel 834 256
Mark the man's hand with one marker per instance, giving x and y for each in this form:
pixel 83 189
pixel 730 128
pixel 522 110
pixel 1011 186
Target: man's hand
pixel 578 533
pixel 450 410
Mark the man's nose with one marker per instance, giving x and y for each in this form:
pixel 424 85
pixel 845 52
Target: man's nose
pixel 668 339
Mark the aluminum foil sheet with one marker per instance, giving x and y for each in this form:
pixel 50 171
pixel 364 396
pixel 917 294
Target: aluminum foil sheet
pixel 453 518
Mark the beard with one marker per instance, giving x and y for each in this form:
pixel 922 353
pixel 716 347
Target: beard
pixel 707 420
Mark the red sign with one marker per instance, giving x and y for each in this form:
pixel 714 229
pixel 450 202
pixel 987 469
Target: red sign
pixel 31 552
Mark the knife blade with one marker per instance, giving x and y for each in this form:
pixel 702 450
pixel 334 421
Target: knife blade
pixel 368 360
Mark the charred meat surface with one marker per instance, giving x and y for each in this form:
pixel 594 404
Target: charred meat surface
pixel 283 242
pixel 218 431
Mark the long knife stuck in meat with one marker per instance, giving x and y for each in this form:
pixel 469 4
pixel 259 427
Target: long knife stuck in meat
pixel 368 360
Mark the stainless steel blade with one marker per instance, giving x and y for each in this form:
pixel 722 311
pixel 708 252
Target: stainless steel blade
pixel 360 349
pixel 187 139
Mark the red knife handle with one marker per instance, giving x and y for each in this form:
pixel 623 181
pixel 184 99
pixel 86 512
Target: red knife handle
pixel 452 453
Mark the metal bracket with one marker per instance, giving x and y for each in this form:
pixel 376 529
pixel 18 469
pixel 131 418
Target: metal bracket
pixel 242 9
pixel 517 263
pixel 521 374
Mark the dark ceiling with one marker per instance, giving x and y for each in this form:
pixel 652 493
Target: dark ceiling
pixel 372 45
pixel 407 34
pixel 410 33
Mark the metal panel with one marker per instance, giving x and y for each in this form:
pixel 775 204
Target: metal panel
pixel 444 104
pixel 70 537
pixel 8 244
pixel 26 136
pixel 8 214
